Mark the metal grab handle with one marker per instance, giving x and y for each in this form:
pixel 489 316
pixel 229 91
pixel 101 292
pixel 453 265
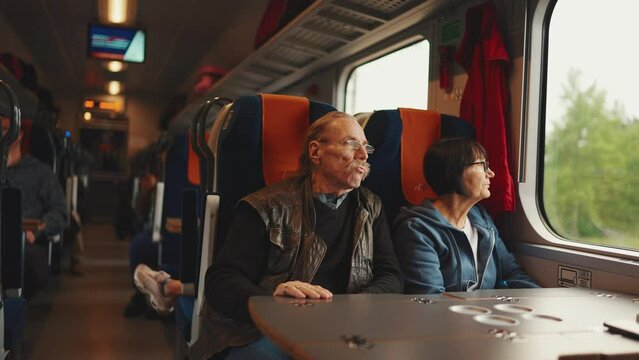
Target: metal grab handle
pixel 201 138
pixel 14 129
pixel 198 142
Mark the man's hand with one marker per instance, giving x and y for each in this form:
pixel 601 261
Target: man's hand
pixel 148 182
pixel 302 290
pixel 29 236
pixel 173 225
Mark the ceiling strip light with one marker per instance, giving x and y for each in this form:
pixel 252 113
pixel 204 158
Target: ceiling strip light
pixel 117 11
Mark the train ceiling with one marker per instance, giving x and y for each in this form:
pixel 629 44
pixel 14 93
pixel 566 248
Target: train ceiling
pixel 181 36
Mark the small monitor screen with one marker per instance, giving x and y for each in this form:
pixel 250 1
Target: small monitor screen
pixel 113 43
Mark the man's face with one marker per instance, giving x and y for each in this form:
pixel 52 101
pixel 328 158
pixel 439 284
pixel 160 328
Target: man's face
pixel 341 156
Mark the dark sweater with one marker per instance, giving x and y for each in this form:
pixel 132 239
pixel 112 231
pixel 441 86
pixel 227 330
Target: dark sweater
pixel 335 227
pixel 233 276
pixel 42 196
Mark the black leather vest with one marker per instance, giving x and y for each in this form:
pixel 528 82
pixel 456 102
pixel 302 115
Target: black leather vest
pixel 297 252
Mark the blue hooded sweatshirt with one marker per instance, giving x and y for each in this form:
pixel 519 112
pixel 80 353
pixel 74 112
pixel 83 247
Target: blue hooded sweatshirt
pixel 436 256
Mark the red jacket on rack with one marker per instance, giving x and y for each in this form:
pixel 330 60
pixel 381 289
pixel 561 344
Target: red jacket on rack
pixel 485 101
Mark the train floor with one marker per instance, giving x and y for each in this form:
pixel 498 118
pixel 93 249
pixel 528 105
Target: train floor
pixel 81 317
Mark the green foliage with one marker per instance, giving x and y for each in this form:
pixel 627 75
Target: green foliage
pixel 591 170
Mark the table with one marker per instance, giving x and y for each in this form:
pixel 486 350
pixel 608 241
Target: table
pixel 486 324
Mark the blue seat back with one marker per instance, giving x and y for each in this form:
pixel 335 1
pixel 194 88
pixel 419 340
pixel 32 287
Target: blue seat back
pixel 384 131
pixel 15 310
pixel 12 250
pixel 239 164
pixel 175 181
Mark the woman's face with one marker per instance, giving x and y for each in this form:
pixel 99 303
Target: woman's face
pixel 476 180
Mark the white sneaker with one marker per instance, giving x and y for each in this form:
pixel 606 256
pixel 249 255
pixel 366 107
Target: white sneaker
pixel 150 283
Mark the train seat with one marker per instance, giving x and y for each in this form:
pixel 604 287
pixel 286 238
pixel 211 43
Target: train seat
pixel 13 304
pixel 184 307
pixel 396 165
pixel 38 142
pixel 15 309
pixel 192 198
pixel 256 142
pixel 11 247
pixel 176 179
pixel 191 210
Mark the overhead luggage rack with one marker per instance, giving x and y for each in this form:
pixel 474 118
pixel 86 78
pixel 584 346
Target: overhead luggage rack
pixel 326 32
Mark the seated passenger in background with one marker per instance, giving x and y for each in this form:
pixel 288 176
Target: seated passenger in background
pixel 42 201
pixel 306 237
pixel 451 243
pixel 136 228
pixel 156 286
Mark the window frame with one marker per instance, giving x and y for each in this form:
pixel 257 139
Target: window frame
pixel 379 55
pixel 383 48
pixel 532 146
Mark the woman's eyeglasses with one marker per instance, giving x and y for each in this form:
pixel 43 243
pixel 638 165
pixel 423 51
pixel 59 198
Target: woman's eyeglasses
pixel 484 163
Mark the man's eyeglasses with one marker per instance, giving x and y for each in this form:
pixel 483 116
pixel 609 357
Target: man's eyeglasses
pixel 484 163
pixel 355 145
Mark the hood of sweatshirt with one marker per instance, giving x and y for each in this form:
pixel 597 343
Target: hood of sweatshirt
pixel 431 216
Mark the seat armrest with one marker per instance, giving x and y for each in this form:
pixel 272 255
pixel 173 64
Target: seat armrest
pixel 208 244
pixel 157 213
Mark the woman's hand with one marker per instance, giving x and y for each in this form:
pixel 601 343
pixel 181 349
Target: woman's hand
pixel 302 290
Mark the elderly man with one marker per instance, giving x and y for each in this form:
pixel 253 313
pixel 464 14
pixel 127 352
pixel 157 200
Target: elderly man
pixel 310 236
pixel 43 203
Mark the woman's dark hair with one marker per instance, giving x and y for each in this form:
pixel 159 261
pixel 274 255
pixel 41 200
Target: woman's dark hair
pixel 446 160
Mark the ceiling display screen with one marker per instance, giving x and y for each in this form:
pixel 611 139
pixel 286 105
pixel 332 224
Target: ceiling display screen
pixel 115 43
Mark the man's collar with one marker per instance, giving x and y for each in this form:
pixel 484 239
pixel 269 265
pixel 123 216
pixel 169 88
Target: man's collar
pixel 330 200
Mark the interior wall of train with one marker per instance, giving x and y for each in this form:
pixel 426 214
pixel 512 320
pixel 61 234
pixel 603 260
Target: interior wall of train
pixel 551 254
pixel 554 256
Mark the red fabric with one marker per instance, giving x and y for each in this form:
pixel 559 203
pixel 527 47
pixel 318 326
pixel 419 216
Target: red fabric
pixel 270 21
pixel 278 13
pixel 485 101
pixel 208 75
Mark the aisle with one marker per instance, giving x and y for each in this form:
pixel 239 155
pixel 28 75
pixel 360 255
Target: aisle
pixel 81 317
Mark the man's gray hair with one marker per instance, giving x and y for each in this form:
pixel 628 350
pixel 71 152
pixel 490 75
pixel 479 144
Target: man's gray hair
pixel 314 133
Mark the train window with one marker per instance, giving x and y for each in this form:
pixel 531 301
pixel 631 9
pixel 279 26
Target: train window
pixel 398 79
pixel 591 175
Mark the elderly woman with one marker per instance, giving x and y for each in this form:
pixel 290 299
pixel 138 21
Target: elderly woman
pixel 451 244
